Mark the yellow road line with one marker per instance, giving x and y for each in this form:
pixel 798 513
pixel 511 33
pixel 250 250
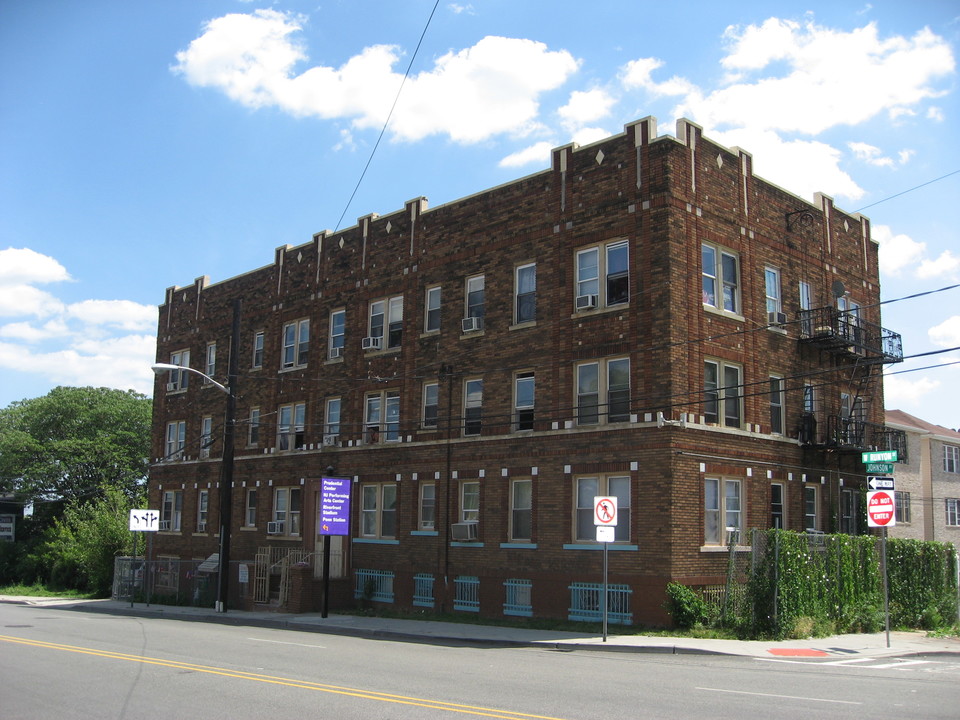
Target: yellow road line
pixel 286 682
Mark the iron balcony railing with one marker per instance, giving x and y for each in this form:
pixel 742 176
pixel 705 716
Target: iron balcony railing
pixel 845 333
pixel 850 433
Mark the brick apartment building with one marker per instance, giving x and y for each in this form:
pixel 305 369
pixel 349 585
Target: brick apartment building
pixel 646 319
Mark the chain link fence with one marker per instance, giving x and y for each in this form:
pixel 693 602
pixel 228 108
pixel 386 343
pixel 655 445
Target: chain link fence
pixel 178 582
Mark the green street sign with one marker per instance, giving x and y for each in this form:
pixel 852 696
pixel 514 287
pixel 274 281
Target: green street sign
pixel 879 468
pixel 879 456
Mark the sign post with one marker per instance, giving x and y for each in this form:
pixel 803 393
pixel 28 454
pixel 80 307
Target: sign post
pixel 142 521
pixel 334 520
pixel 605 518
pixel 882 513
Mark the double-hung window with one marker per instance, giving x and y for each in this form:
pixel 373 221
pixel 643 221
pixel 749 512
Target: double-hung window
pixel 472 406
pixel 171 510
pixel 382 417
pixel 206 436
pixel 291 427
pixel 286 510
pixel 722 393
pixel 385 325
pixel 203 502
pixel 428 506
pixel 902 502
pixel 603 391
pixel 521 510
pixel 254 437
pixel 331 426
pixel 250 508
pixel 525 294
pixel 603 275
pixel 470 501
pixel 296 343
pixel 338 325
pixel 431 397
pixel 953 511
pixel 777 506
pixel 257 361
pixel 431 312
pixel 776 405
pixel 951 459
pixel 588 488
pixel 378 510
pixel 523 401
pixel 175 440
pixel 810 519
pixel 475 309
pixel 179 379
pixel 210 365
pixel 720 278
pixel 806 304
pixel 722 514
pixel 771 279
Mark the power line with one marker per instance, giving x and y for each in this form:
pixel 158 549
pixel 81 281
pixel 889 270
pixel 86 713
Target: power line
pixel 916 187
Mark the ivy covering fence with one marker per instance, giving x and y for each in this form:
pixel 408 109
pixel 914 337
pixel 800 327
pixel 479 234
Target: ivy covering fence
pixel 792 584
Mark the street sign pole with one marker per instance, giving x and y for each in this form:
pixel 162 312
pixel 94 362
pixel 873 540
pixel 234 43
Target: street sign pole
pixel 886 587
pixel 605 546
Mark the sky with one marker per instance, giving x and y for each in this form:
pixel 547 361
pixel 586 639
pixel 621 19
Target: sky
pixel 145 144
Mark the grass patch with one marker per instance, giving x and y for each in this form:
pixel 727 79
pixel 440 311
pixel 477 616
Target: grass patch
pixel 38 590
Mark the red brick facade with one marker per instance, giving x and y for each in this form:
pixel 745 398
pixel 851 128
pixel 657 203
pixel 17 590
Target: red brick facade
pixel 641 307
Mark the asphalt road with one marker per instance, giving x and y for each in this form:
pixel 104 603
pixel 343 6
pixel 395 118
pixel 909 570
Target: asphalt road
pixel 57 663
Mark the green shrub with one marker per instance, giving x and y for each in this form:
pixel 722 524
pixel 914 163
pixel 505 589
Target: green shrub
pixel 686 607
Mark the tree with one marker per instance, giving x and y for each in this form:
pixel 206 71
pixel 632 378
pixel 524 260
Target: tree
pixel 74 443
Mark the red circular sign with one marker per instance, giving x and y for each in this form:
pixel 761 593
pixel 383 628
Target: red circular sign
pixel 881 509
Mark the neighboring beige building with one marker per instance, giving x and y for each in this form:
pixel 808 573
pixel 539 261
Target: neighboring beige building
pixel 928 480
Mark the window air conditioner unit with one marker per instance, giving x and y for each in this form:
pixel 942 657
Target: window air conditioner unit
pixel 330 440
pixel 372 343
pixel 164 524
pixel 586 302
pixel 336 352
pixel 201 527
pixel 275 528
pixel 464 531
pixel 472 324
pixel 776 318
pixel 172 387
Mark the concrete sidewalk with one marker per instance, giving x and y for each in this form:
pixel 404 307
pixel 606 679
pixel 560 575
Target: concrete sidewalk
pixel 836 647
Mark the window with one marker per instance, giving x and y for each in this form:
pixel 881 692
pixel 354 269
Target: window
pixel 603 275
pixel 338 325
pixel 176 439
pixel 776 506
pixel 849 510
pixel 206 436
pixel 286 510
pixel 722 516
pixel 203 500
pixel 728 395
pixel 179 379
pixel 902 501
pixel 431 394
pixel 806 303
pixel 953 511
pixel 521 510
pixel 776 405
pixel 428 506
pixel 386 317
pixel 951 459
pixel 211 361
pixel 849 319
pixel 771 278
pixel 291 421
pixel 382 417
pixel 523 401
pixel 525 294
pixel 378 510
pixel 810 508
pixel 331 429
pixel 599 486
pixel 254 437
pixel 472 407
pixel 721 283
pixel 171 511
pixel 431 317
pixel 296 343
pixel 476 304
pixel 250 508
pixel 470 501
pixel 258 349
pixel 603 391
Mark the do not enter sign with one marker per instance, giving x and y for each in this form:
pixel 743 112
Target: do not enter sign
pixel 881 509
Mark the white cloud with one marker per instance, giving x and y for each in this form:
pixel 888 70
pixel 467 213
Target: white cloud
pixel 904 390
pixel 945 265
pixel 905 156
pixel 538 153
pixel 587 135
pixel 584 107
pixel 870 154
pixel 469 95
pixel 947 333
pixel 896 251
pixel 122 314
pixel 19 266
pixel 458 9
pixel 936 114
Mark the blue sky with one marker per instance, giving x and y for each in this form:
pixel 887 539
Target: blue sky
pixel 144 144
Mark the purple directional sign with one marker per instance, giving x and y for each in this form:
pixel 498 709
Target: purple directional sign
pixel 334 507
